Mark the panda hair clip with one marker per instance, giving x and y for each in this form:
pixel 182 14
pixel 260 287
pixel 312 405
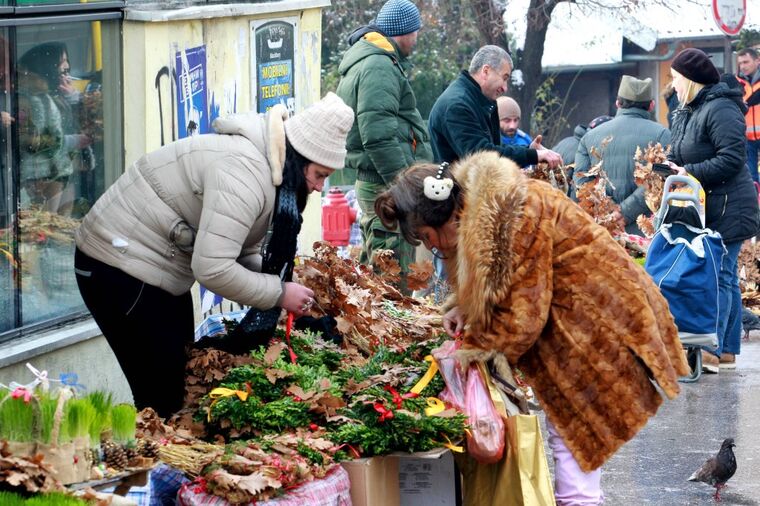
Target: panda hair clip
pixel 438 187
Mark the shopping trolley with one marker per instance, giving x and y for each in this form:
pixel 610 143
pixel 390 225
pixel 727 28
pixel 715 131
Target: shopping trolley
pixel 684 259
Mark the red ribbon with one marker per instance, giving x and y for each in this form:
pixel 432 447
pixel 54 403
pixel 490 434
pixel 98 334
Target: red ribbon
pixel 354 451
pixel 20 392
pixel 399 399
pixel 385 414
pixel 288 330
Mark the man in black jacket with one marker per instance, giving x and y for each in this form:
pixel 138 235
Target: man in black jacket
pixel 465 118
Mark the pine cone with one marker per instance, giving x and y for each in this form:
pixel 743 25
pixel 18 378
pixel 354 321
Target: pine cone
pixel 147 448
pixel 115 456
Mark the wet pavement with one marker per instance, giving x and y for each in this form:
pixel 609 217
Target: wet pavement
pixel 653 468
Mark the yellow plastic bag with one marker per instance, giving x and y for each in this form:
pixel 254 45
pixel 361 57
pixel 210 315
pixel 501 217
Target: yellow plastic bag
pixel 526 460
pixel 521 477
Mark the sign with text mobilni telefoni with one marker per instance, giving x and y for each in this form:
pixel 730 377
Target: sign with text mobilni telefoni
pixel 729 15
pixel 272 68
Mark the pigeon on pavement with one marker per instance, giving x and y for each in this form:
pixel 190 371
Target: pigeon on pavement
pixel 716 471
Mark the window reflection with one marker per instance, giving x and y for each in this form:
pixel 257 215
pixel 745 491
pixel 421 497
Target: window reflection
pixel 8 263
pixel 59 156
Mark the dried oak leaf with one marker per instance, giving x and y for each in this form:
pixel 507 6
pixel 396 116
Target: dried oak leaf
pixel 327 403
pixel 273 374
pixel 419 275
pixel 385 261
pixel 238 489
pixel 273 352
pixel 300 392
pixel 30 474
pixel 344 325
pixel 646 225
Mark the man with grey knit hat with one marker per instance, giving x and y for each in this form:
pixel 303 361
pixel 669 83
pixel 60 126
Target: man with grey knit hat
pixel 631 128
pixel 389 134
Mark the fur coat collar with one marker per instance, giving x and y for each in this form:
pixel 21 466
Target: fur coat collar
pixel 539 281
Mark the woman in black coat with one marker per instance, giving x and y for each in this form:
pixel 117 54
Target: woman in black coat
pixel 708 142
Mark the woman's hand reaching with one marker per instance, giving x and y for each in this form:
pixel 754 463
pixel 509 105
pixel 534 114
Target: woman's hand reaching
pixel 453 322
pixel 297 299
pixel 678 169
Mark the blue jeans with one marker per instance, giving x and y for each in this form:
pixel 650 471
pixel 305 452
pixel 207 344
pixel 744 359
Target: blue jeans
pixel 753 148
pixel 730 302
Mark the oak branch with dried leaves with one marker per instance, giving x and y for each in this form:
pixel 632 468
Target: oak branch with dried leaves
pixel 369 309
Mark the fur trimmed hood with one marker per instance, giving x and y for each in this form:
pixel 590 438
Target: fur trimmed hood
pixel 539 281
pixel 249 125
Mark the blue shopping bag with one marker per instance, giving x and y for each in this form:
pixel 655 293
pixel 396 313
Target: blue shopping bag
pixel 684 262
pixel 684 259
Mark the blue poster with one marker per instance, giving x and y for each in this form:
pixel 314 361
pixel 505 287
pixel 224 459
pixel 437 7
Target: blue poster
pixel 275 51
pixel 192 109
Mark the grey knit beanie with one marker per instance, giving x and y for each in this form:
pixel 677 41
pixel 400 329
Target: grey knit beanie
pixel 398 17
pixel 319 132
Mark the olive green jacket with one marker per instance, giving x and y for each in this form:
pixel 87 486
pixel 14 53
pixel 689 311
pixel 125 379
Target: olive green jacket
pixel 389 134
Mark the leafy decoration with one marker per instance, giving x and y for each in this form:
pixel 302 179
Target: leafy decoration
pixel 592 195
pixel 358 299
pixel 652 182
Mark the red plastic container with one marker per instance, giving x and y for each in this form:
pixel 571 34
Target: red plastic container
pixel 337 218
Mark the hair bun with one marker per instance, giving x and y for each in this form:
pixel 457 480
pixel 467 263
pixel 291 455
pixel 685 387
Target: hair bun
pixel 386 210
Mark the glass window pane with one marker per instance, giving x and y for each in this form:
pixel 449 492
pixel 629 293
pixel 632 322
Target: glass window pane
pixel 61 160
pixel 8 253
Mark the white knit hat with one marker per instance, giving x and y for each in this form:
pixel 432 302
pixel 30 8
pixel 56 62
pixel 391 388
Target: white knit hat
pixel 319 132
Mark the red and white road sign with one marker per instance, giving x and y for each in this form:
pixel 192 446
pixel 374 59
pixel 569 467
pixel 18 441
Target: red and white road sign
pixel 729 15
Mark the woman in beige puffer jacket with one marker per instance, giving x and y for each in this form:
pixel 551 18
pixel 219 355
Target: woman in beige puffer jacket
pixel 199 209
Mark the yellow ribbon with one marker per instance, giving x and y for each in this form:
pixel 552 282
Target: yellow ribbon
pixel 423 382
pixel 451 446
pixel 435 406
pixel 219 393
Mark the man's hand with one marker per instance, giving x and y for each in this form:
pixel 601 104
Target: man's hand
pixel 536 144
pixel 550 157
pixel 453 322
pixel 6 119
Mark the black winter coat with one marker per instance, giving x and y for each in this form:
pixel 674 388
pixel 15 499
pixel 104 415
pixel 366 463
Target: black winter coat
pixel 708 140
pixel 463 121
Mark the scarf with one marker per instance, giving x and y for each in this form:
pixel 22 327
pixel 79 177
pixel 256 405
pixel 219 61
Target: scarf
pixel 278 258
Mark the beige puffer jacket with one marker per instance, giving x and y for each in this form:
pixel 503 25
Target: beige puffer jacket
pixel 196 209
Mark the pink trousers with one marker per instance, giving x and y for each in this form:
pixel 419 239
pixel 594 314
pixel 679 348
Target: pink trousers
pixel 572 487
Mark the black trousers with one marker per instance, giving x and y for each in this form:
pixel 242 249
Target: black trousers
pixel 146 327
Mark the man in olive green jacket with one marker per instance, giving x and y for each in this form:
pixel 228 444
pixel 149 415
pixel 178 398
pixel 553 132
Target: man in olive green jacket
pixel 389 134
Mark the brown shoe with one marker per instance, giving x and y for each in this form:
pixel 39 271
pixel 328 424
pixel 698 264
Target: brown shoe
pixel 727 361
pixel 710 363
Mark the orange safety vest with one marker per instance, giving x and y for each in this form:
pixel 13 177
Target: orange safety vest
pixel 753 114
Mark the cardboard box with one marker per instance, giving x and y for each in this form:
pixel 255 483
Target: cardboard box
pixel 403 479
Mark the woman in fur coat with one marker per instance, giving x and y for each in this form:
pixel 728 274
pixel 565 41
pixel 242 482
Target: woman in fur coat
pixel 533 277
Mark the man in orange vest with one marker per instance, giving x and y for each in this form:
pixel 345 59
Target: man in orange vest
pixel 748 62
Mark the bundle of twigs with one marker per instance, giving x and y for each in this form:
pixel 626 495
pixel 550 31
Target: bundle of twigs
pixel 190 459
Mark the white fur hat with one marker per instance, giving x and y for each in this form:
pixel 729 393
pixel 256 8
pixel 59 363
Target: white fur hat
pixel 319 132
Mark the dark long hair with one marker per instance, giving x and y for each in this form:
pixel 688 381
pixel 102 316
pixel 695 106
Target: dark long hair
pixel 293 175
pixel 404 204
pixel 44 60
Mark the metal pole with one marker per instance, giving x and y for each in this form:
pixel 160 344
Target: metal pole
pixel 728 56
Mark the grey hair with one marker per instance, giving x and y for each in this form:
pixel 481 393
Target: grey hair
pixel 493 56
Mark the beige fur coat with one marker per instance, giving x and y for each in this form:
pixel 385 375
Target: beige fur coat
pixel 538 280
